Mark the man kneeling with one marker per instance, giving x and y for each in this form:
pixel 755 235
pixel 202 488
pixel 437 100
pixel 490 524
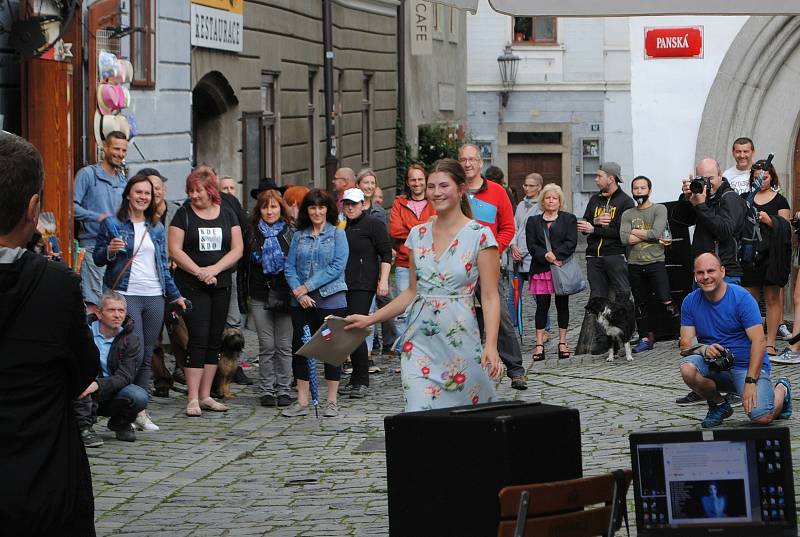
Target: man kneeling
pixel 116 396
pixel 724 317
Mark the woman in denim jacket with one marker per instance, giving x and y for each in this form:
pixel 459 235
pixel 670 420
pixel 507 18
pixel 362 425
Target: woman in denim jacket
pixel 132 247
pixel 315 273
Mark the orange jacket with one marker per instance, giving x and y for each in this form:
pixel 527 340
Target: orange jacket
pixel 401 220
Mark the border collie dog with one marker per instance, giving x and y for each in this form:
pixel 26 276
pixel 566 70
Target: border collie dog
pixel 617 321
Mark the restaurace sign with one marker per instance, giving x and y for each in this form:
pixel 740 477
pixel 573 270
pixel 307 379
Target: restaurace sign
pixel 218 24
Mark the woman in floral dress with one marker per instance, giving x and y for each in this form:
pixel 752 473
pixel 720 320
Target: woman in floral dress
pixel 442 362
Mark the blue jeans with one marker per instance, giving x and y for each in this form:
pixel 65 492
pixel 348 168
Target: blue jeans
pixel 122 408
pixel 732 381
pixel 91 276
pixel 400 284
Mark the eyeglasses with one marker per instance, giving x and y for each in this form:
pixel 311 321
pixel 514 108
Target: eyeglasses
pixel 465 160
pixel 339 179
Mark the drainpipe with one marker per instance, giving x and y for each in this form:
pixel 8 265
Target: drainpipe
pixel 401 61
pixel 330 127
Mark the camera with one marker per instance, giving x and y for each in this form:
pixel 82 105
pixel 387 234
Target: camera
pixel 700 184
pixel 723 362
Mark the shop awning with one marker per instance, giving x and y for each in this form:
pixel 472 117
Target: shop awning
pixel 624 8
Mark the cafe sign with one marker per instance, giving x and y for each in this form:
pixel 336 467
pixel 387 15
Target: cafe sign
pixel 218 24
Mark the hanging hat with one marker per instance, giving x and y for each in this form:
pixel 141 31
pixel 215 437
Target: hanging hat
pixel 110 98
pixel 266 183
pixel 104 125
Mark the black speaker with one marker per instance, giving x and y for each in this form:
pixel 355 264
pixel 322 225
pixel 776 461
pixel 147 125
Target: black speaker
pixel 446 467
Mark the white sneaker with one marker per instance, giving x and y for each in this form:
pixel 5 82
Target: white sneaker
pixel 784 332
pixel 144 423
pixel 788 356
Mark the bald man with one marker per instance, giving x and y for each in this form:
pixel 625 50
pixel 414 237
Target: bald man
pixel 725 319
pixel 343 179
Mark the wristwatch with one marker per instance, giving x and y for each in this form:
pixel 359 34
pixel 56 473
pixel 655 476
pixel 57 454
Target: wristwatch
pixel 750 380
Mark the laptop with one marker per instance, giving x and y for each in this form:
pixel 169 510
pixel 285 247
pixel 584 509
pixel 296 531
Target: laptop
pixel 730 482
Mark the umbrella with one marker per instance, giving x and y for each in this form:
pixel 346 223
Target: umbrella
pixel 313 383
pixel 517 302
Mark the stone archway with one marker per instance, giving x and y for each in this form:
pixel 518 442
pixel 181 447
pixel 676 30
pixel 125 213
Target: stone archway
pixel 755 94
pixel 213 99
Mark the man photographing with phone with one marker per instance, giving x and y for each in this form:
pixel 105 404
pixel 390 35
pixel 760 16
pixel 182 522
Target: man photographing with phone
pixel 718 212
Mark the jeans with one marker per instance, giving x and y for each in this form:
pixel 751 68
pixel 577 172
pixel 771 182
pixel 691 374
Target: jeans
pixel 91 276
pixel 401 284
pixel 147 313
pixel 122 408
pixel 732 381
pixel 650 286
pixel 274 331
pixel 234 318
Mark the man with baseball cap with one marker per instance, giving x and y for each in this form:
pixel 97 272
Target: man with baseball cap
pixel 606 266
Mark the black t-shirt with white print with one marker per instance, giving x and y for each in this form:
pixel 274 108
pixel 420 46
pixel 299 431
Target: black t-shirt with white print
pixel 204 241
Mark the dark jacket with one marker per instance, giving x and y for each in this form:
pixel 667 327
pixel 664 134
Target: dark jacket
pixel 121 362
pixel 563 239
pixel 718 225
pixel 255 283
pixel 47 358
pixel 604 240
pixel 779 256
pixel 370 246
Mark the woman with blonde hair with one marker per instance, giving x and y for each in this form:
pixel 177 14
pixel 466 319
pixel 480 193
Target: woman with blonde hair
pixel 559 229
pixel 367 181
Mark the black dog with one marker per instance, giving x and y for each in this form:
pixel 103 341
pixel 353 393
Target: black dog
pixel 617 322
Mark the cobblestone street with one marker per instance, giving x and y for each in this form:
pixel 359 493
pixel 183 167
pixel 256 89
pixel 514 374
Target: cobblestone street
pixel 252 472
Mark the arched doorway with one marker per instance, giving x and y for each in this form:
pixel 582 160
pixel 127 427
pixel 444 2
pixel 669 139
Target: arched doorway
pixel 214 106
pixel 796 175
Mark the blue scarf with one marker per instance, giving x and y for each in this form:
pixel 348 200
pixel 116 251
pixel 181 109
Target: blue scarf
pixel 272 259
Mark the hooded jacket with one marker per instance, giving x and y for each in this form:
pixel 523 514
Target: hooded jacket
pixel 47 358
pixel 718 225
pixel 604 240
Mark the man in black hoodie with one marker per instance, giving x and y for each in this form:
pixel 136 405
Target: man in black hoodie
pixel 718 217
pixel 605 254
pixel 47 358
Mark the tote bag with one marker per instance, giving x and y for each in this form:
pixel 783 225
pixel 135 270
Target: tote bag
pixel 568 278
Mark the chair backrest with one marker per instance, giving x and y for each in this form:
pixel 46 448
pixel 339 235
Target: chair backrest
pixel 573 508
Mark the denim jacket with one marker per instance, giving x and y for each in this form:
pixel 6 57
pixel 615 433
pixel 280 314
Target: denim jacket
pixel 318 262
pixel 118 261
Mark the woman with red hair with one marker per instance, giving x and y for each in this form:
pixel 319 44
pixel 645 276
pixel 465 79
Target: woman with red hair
pixel 205 241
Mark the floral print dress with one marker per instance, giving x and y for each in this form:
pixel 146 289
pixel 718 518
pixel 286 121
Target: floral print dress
pixel 441 351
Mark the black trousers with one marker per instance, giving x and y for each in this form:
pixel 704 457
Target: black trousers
pixel 543 308
pixel 205 322
pixel 359 302
pixel 507 342
pixel 313 317
pixel 650 285
pixel 608 272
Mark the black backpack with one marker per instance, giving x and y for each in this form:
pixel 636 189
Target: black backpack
pixel 751 245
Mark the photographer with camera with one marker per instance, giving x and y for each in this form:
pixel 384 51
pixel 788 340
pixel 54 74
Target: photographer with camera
pixel 718 212
pixel 730 355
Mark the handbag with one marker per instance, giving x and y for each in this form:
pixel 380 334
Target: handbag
pixel 277 300
pixel 568 278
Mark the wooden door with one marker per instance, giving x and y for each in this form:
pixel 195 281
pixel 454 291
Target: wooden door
pixel 521 164
pixel 49 100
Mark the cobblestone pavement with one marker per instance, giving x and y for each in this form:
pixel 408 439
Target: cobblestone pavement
pixel 251 472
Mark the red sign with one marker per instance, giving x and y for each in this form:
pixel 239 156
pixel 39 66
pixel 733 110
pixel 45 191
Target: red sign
pixel 685 42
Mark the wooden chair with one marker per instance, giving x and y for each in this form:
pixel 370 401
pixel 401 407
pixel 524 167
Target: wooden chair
pixel 563 508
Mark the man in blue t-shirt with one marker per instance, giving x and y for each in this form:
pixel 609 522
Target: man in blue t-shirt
pixel 723 316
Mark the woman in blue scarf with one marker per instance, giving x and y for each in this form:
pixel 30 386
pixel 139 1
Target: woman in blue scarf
pixel 269 237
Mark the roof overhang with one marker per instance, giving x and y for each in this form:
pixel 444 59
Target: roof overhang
pixel 625 8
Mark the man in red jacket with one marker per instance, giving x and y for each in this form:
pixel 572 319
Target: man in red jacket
pixel 492 208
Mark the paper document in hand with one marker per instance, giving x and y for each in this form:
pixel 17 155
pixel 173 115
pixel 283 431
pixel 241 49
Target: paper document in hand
pixel 332 343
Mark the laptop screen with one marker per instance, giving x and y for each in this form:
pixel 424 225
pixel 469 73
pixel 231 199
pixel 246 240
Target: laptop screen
pixel 727 482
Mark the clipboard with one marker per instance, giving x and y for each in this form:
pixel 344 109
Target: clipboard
pixel 331 343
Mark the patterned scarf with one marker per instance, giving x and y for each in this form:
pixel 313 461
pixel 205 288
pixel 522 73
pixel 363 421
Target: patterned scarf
pixel 272 259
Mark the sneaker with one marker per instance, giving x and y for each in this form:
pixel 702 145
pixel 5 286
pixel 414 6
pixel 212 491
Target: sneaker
pixel 373 368
pixel 295 410
pixel 285 400
pixel 734 399
pixel 126 435
pixel 144 423
pixel 518 383
pixel 90 438
pixel 161 392
pixel 784 332
pixel 358 391
pixel 786 413
pixel 268 400
pixel 786 356
pixel 690 398
pixel 240 378
pixel 345 389
pixel 347 368
pixel 643 345
pixel 331 409
pixel 717 413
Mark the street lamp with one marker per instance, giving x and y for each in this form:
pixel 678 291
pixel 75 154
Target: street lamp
pixel 508 63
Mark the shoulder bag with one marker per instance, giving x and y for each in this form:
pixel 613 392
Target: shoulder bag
pixel 568 278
